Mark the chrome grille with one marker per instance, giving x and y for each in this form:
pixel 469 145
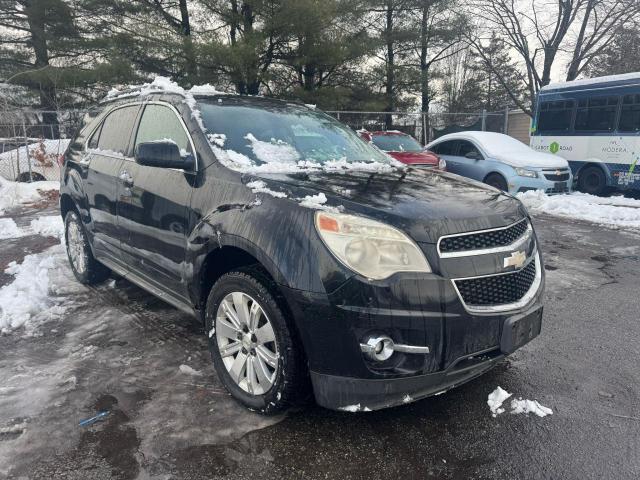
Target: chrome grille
pixel 562 177
pixel 497 290
pixel 482 240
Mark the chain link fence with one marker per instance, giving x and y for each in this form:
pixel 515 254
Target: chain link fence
pixel 31 142
pixel 426 127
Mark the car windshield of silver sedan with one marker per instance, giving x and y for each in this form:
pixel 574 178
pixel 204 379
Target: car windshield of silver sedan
pixel 396 143
pixel 267 136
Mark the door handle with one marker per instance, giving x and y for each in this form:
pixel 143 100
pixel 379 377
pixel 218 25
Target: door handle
pixel 126 178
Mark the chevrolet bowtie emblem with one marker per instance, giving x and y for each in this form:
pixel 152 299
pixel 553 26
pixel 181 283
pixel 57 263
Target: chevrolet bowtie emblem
pixel 516 260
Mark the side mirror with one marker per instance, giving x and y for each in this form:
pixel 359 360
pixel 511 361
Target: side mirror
pixel 473 155
pixel 162 154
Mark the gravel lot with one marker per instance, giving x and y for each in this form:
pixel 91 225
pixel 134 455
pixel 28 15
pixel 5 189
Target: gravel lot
pixel 118 349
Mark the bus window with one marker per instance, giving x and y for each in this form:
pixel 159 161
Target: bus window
pixel 630 114
pixel 555 116
pixel 597 114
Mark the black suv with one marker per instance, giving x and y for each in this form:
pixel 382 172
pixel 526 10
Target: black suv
pixel 312 258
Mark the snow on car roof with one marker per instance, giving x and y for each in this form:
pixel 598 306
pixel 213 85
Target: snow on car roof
pixel 593 81
pixel 491 142
pixel 161 85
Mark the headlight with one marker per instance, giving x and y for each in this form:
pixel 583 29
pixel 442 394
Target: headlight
pixel 370 248
pixel 442 164
pixel 523 172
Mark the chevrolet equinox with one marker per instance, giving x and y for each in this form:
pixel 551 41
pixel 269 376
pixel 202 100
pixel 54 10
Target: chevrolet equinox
pixel 314 261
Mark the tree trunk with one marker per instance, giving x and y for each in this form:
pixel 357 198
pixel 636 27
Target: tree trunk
pixel 574 66
pixel 36 16
pixel 187 42
pixel 424 72
pixel 390 73
pixel 549 56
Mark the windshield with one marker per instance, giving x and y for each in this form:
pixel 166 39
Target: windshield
pixel 251 132
pixel 396 143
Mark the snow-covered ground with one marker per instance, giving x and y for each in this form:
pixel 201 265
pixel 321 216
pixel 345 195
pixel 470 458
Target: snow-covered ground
pixel 616 211
pixel 31 298
pixel 13 194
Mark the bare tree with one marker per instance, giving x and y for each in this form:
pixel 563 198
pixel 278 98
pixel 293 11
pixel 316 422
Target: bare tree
pixel 602 21
pixel 535 31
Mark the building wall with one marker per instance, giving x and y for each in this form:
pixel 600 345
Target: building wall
pixel 519 126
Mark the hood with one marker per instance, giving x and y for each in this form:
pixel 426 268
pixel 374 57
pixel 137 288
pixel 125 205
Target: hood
pixel 532 159
pixel 426 204
pixel 415 158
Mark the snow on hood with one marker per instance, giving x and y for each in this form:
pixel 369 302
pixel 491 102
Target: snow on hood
pixel 507 150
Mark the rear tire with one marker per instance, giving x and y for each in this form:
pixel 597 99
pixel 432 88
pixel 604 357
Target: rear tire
pixel 262 365
pixel 592 180
pixel 25 178
pixel 496 181
pixel 83 264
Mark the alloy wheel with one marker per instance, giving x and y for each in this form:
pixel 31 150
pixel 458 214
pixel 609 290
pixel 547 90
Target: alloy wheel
pixel 76 247
pixel 247 343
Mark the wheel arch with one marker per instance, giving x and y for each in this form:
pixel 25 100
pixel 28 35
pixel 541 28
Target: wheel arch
pixel 227 257
pixel 495 172
pixel 595 164
pixel 66 205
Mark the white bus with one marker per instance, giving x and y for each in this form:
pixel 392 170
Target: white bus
pixel 595 125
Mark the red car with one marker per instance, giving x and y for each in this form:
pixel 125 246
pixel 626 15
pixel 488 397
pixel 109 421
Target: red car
pixel 403 148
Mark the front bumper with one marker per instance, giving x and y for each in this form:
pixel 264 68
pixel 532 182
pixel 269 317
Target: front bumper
pixel 518 184
pixel 364 394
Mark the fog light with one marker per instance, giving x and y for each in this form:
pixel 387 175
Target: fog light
pixel 378 348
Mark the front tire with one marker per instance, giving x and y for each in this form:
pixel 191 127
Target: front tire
pixel 252 347
pixel 83 264
pixel 496 181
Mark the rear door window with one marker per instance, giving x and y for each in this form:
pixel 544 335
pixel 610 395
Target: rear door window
pixel 116 130
pixel 446 148
pixel 159 123
pixel 467 147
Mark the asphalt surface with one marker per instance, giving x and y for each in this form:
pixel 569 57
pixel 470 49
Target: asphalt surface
pixel 119 350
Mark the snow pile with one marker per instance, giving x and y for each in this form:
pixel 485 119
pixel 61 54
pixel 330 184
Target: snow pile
pixel 9 229
pixel 258 186
pixel 187 370
pixel 499 395
pixel 217 138
pixel 317 202
pixel 372 166
pixel 206 89
pixel 611 211
pixel 274 151
pixel 496 399
pixel 25 302
pixel 47 226
pixel 530 406
pixel 13 194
